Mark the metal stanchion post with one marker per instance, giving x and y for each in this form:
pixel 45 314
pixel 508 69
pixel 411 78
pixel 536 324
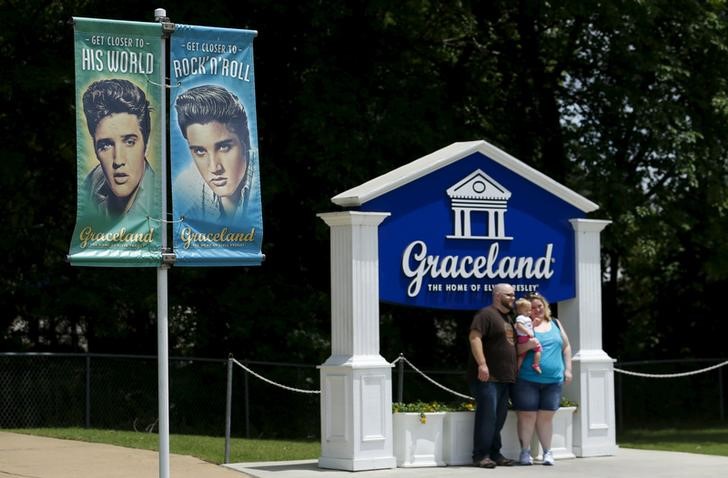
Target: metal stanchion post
pixel 88 391
pixel 228 407
pixel 720 394
pixel 247 407
pixel 400 379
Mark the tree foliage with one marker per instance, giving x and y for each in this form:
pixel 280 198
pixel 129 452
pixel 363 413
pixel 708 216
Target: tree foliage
pixel 623 101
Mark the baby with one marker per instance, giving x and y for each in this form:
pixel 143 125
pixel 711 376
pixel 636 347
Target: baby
pixel 524 330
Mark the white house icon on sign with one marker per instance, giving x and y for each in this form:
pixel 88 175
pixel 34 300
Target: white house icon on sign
pixel 478 193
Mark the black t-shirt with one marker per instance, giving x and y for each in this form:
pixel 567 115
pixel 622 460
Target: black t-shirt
pixel 499 345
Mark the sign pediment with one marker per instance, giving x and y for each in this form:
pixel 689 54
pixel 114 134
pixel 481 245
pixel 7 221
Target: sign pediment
pixel 444 157
pixel 478 185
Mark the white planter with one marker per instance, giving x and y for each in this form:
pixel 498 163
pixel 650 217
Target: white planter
pixel 510 444
pixel 458 440
pixel 417 443
pixel 458 437
pixel 447 438
pixel 562 438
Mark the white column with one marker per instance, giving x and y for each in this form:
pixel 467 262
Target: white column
pixel 492 232
pixel 467 231
pixel 458 212
pixel 501 221
pixel 356 382
pixel 593 370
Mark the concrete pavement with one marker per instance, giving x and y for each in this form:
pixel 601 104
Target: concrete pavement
pixel 26 456
pixel 627 463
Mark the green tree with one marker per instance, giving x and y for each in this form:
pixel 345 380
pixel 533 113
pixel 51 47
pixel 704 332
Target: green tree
pixel 623 101
pixel 646 121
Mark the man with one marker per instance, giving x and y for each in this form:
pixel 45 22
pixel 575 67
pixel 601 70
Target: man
pixel 491 371
pixel 216 188
pixel 118 119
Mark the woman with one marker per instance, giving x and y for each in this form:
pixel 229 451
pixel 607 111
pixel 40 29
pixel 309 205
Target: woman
pixel 536 397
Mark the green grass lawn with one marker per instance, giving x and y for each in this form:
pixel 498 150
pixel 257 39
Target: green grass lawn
pixel 707 441
pixel 211 449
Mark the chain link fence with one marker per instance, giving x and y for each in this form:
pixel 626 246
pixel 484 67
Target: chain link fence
pixel 670 392
pixel 120 392
pixel 41 390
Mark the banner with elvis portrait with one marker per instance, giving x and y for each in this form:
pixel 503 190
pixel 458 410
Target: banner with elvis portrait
pixel 119 98
pixel 216 201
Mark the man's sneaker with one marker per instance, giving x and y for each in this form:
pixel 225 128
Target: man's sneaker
pixel 548 458
pixel 525 458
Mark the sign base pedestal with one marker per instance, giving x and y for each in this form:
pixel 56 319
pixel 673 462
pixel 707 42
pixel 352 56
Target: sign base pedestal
pixel 356 413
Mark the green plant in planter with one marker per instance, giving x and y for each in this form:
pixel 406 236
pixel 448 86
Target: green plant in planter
pixel 565 402
pixel 431 407
pixel 463 407
pixel 420 407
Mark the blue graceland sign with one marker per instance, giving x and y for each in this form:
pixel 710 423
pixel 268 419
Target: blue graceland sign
pixel 468 217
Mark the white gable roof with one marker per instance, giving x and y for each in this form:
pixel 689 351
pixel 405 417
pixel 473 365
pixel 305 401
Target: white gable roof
pixel 449 154
pixel 478 185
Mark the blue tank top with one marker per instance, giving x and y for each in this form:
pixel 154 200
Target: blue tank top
pixel 552 358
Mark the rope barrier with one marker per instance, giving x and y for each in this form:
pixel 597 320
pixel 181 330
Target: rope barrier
pixel 402 357
pixel 670 375
pixel 437 384
pixel 272 382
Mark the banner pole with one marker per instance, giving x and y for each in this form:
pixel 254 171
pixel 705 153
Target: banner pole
pixel 163 371
pixel 160 15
